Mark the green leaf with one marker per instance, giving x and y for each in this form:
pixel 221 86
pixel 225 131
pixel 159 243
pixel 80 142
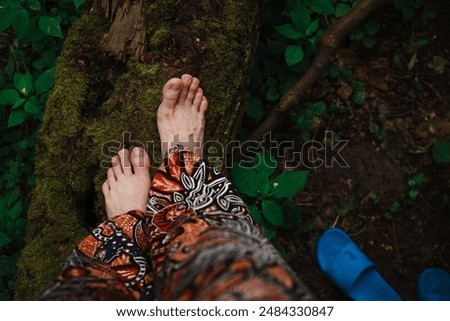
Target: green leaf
pixel 20 24
pixel 10 198
pixel 292 214
pixel 255 214
pixel 32 106
pixel 293 54
pixel 441 152
pixel 273 212
pixel 357 34
pixel 269 231
pixel 8 96
pixel 16 117
pixel 408 13
pixel 7 266
pixel 287 184
pixel 265 164
pixel 323 7
pixel 7 17
pixel 312 27
pixel 300 16
pixel 289 31
pixel 416 180
pixel 45 81
pixel 359 97
pixel 255 108
pixel 319 108
pixel 23 83
pixel 412 194
pixel 34 5
pixel 19 102
pixel 50 26
pixel 368 41
pixel 4 240
pixel 15 211
pixel 272 94
pixel 372 27
pixel 78 3
pixel 342 9
pixel 247 180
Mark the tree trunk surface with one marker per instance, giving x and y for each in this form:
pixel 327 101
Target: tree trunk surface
pixel 108 82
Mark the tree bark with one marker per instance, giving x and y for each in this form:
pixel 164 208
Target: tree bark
pixel 106 93
pixel 328 43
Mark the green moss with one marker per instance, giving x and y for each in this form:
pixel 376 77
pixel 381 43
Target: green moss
pixel 158 37
pixel 63 165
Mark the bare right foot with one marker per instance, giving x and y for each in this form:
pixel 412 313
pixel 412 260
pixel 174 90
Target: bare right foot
pixel 181 115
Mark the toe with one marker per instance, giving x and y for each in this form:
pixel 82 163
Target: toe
pixel 106 188
pixel 203 105
pixel 197 99
pixel 116 167
pixel 186 81
pixel 111 177
pixel 193 89
pixel 140 161
pixel 124 156
pixel 171 92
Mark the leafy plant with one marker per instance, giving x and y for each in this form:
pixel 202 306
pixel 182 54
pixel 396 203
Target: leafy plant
pixel 414 182
pixel 31 35
pixel 393 209
pixel 288 43
pixel 269 195
pixel 366 34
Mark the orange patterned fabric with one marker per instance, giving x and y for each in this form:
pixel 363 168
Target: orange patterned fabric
pixel 197 241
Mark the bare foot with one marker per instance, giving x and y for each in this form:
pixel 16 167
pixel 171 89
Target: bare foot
pixel 128 182
pixel 181 115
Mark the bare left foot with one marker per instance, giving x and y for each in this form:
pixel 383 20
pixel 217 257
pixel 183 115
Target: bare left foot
pixel 181 115
pixel 128 182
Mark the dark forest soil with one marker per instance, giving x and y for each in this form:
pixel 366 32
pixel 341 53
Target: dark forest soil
pixel 411 107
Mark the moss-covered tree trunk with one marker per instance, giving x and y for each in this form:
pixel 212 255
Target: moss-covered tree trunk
pixel 106 96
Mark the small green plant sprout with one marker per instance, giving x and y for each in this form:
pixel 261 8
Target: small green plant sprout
pixel 269 195
pixel 374 198
pixel 414 182
pixel 393 209
pixel 441 152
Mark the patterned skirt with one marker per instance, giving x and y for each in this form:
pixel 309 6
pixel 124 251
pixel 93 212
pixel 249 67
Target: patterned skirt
pixel 197 241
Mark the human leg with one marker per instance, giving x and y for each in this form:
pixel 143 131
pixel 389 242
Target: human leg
pixel 111 263
pixel 204 244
